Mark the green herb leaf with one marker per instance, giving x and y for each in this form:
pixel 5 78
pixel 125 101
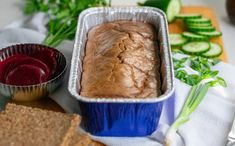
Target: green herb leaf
pixel 31 6
pixel 200 64
pixel 209 74
pixel 62 14
pixel 221 82
pixel 179 63
pixel 218 81
pixel 181 74
pixel 193 79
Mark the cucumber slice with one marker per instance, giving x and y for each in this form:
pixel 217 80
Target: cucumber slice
pixel 199 25
pixel 196 48
pixel 210 34
pixel 173 9
pixel 177 40
pixel 215 51
pixel 188 16
pixel 194 37
pixel 198 21
pixel 201 29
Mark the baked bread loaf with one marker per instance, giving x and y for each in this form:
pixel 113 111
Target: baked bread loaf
pixel 25 126
pixel 121 60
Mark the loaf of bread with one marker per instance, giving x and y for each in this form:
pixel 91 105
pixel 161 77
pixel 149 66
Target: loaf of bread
pixel 121 60
pixel 25 126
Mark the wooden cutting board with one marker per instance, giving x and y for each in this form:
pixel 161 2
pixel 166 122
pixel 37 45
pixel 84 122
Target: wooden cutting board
pixel 178 26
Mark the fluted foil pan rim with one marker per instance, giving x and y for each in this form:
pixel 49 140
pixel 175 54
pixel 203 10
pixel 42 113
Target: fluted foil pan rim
pixel 133 11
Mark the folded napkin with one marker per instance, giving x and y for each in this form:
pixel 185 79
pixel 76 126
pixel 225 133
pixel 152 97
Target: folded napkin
pixel 209 124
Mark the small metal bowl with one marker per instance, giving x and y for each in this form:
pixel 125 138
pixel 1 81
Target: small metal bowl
pixel 37 91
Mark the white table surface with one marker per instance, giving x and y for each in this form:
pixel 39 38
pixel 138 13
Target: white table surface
pixel 10 10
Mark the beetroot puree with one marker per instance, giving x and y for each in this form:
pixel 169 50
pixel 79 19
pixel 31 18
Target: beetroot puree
pixel 28 70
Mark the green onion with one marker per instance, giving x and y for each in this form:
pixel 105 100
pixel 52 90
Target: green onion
pixel 194 98
pixel 199 86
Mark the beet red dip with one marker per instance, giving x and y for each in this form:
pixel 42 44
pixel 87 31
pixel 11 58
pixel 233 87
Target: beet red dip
pixel 29 69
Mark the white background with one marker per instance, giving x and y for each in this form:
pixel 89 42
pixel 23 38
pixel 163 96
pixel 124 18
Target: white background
pixel 10 10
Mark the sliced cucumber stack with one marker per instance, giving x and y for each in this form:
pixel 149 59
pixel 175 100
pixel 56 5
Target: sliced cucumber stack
pixel 194 37
pixel 215 51
pixel 202 26
pixel 177 40
pixel 188 16
pixel 200 30
pixel 196 48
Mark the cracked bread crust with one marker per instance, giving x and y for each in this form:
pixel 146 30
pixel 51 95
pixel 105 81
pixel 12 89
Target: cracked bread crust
pixel 121 60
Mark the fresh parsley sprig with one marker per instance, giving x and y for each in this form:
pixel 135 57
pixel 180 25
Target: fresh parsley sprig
pixel 62 16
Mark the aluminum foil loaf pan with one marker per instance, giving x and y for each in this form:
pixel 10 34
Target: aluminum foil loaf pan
pixel 121 116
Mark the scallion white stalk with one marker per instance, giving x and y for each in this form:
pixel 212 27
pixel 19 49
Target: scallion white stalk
pixel 194 98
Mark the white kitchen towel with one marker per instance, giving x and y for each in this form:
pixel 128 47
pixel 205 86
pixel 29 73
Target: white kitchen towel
pixel 208 126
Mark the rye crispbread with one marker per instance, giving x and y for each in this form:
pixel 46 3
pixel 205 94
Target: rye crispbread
pixel 26 126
